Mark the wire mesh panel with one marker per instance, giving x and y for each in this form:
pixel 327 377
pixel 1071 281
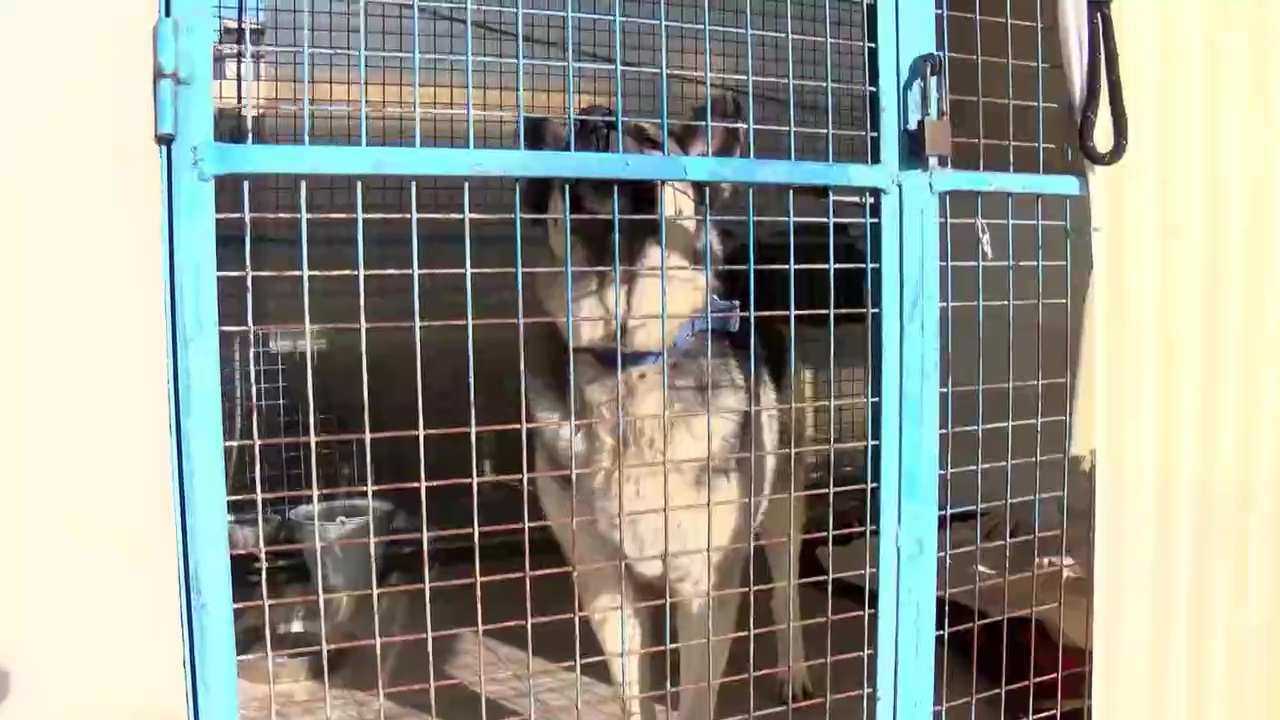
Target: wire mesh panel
pixel 425 334
pixel 461 74
pixel 267 464
pixel 416 322
pixel 1014 532
pixel 1010 542
pixel 1007 95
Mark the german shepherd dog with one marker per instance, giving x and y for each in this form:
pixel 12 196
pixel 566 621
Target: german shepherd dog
pixel 671 439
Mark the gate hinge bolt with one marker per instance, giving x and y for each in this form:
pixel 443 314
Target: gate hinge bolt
pixel 165 74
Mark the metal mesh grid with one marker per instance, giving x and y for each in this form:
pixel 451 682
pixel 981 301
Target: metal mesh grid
pixel 416 286
pixel 387 341
pixel 262 414
pixel 1008 101
pixel 1012 288
pixel 455 74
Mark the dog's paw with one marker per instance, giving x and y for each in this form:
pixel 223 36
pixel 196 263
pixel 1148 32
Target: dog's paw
pixel 632 709
pixel 796 686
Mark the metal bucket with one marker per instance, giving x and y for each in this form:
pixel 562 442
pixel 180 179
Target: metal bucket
pixel 346 567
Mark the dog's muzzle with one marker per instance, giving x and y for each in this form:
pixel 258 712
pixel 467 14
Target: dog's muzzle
pixel 590 133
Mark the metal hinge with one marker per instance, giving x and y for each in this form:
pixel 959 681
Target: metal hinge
pixel 165 75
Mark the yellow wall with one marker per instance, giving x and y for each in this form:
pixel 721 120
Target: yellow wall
pixel 1188 391
pixel 89 624
pixel 1188 388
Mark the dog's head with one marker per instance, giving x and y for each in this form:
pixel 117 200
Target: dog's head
pixel 642 207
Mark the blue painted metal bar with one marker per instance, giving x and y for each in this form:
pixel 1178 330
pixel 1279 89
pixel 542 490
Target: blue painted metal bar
pixel 914 548
pixel 236 159
pixel 201 476
pixel 943 181
pixel 887 334
pixel 232 159
pixel 918 500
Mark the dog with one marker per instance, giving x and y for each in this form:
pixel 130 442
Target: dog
pixel 668 485
pixel 776 280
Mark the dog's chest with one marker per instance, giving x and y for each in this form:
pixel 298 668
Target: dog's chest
pixel 651 522
pixel 657 482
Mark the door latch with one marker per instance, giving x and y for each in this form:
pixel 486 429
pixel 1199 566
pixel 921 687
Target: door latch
pixel 932 137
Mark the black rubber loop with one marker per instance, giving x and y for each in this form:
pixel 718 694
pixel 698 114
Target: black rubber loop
pixel 1102 45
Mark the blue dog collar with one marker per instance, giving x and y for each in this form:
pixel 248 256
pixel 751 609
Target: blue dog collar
pixel 724 318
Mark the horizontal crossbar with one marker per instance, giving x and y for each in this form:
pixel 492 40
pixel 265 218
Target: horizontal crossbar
pixel 944 181
pixel 234 159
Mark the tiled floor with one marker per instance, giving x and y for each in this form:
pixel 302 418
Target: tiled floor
pixel 516 669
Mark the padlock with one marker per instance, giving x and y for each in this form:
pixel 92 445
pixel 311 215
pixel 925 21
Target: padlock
pixel 933 136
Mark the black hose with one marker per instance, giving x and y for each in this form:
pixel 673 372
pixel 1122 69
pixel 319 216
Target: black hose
pixel 1102 46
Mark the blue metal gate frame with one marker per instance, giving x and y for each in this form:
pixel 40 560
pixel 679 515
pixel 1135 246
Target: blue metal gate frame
pixel 910 339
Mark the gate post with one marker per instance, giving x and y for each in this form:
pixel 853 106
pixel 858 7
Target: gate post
pixel 196 394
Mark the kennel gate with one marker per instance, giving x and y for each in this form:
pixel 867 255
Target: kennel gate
pixel 907 184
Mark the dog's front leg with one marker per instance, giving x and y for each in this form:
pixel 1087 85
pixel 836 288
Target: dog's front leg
pixel 604 593
pixel 607 599
pixel 701 667
pixel 783 533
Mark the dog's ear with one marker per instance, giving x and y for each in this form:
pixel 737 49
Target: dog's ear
pixel 722 139
pixel 542 134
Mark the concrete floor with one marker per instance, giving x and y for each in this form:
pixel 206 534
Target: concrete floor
pixel 515 669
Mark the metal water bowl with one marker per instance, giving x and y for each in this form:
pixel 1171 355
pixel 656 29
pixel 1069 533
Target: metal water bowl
pixel 246 533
